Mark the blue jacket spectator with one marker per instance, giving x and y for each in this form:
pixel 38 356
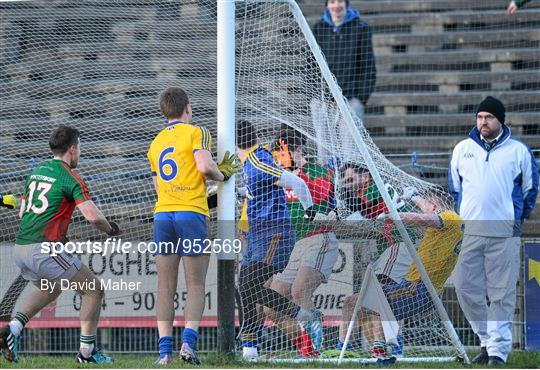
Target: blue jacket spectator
pixel 346 42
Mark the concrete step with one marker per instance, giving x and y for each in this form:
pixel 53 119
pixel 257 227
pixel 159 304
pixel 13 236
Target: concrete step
pixel 314 8
pixel 513 38
pixel 521 123
pixel 434 143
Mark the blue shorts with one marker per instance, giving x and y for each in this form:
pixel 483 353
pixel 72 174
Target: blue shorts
pixel 181 233
pixel 407 298
pixel 272 246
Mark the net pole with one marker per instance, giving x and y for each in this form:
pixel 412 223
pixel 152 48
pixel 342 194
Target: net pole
pixel 349 121
pixel 226 193
pixel 355 313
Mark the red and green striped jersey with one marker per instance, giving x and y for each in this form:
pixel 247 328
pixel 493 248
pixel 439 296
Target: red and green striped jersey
pixel 371 205
pixel 319 180
pixel 51 193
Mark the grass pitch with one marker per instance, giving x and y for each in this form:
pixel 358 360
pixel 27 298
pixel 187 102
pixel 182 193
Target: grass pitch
pixel 529 360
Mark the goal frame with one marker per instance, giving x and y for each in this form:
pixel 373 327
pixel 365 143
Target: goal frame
pixel 364 152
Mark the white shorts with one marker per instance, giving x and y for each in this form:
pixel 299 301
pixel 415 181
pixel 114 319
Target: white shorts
pixel 319 252
pixel 394 262
pixel 36 265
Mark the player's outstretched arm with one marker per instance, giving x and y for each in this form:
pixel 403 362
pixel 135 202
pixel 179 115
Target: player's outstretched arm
pixel 211 170
pixel 426 219
pixel 421 219
pixel 96 218
pixel 291 181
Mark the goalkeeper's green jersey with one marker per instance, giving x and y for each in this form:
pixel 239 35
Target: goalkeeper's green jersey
pixel 320 184
pixel 51 193
pixel 371 205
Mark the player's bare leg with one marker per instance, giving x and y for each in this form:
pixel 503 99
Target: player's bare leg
pixel 91 301
pixel 195 269
pixel 370 322
pixel 346 317
pixel 301 292
pixel 307 281
pixel 291 328
pixel 38 300
pixel 288 327
pixel 167 267
pixel 10 335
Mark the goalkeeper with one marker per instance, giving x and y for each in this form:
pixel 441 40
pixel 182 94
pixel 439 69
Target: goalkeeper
pixel 181 161
pixel 438 252
pixel 364 198
pixel 270 238
pixel 52 192
pixel 316 248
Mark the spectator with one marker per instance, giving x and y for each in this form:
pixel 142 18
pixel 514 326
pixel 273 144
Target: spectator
pixel 346 43
pixel 494 180
pixel 514 5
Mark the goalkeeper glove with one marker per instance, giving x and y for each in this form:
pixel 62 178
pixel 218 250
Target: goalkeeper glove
pixel 227 166
pixel 8 201
pixel 115 229
pixel 409 192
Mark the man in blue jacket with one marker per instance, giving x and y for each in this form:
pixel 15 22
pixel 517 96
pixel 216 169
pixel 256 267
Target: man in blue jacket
pixel 494 180
pixel 346 43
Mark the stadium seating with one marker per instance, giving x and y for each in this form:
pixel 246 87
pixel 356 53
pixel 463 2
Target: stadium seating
pixel 435 62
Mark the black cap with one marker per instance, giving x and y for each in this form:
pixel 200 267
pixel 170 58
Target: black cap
pixel 494 106
pixel 346 2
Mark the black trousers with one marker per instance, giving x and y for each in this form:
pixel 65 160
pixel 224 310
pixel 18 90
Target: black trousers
pixel 252 292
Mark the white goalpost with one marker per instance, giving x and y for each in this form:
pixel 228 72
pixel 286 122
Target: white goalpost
pixel 226 194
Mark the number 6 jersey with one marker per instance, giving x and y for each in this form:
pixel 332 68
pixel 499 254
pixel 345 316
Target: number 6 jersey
pixel 51 193
pixel 181 187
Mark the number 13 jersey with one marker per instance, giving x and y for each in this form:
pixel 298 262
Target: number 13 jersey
pixel 50 195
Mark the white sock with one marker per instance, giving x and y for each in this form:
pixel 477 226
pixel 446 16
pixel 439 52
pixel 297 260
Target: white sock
pixel 87 344
pixel 86 349
pixel 249 352
pixel 16 327
pixel 304 315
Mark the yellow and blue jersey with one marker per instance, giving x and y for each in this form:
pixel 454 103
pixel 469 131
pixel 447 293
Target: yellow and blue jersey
pixel 271 235
pixel 439 249
pixel 181 187
pixel 265 198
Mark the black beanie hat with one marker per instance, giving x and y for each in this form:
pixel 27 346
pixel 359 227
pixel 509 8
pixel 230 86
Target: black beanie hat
pixel 346 2
pixel 493 106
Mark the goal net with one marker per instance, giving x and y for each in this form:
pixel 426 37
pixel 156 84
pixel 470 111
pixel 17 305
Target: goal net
pixel 285 90
pixel 347 276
